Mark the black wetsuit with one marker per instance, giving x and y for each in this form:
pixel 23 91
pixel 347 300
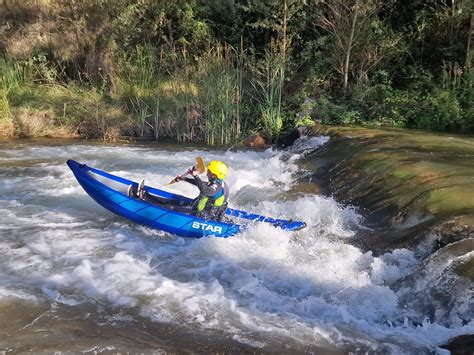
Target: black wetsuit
pixel 211 191
pixel 212 200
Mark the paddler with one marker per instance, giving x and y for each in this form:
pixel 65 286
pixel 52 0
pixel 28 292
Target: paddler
pixel 213 194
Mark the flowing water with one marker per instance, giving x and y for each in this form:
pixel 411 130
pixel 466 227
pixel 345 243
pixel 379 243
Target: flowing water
pixel 75 277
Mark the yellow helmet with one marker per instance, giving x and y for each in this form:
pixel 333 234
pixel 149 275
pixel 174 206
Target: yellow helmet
pixel 218 168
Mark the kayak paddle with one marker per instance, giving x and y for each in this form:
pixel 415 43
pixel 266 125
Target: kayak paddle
pixel 200 167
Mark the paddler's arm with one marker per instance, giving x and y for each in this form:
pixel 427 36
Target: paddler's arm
pixel 191 181
pixel 205 189
pixel 201 185
pixel 183 178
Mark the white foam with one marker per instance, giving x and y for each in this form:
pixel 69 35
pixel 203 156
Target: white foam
pixel 262 287
pixel 9 293
pixel 305 144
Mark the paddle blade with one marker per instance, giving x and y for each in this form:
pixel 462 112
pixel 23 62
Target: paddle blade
pixel 200 165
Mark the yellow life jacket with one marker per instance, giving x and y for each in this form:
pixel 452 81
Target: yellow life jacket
pixel 217 200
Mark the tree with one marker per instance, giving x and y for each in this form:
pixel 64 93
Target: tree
pixel 469 50
pixel 346 21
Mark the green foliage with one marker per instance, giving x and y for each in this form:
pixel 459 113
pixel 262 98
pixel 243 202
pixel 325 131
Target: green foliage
pixel 220 82
pixel 171 26
pixel 305 121
pixel 225 19
pixel 440 111
pixel 201 70
pixel 328 111
pixel 13 77
pixel 137 79
pixel 397 108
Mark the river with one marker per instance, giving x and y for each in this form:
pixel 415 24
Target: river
pixel 76 278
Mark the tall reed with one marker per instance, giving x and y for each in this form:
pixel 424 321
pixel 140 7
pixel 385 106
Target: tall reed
pixel 12 79
pixel 199 101
pixel 268 84
pixel 181 90
pixel 139 75
pixel 220 83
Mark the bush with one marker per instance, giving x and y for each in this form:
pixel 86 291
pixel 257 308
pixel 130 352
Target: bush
pixel 327 111
pixel 336 113
pixel 440 111
pixel 398 107
pixel 304 121
pixel 468 119
pixel 350 117
pixel 434 109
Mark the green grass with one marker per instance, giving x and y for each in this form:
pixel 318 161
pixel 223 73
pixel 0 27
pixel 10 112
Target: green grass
pixel 220 94
pixel 203 101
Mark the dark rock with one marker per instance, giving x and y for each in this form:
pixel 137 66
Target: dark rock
pixel 463 344
pixel 288 138
pixel 256 141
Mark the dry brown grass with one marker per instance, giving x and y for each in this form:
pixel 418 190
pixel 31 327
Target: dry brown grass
pixel 6 128
pixel 34 38
pixel 38 124
pixel 108 123
pixel 35 26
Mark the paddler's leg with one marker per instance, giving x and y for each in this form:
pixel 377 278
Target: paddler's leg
pixel 141 189
pixel 131 192
pixel 154 199
pixel 139 192
pixel 169 204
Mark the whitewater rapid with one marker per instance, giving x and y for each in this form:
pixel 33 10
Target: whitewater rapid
pixel 265 288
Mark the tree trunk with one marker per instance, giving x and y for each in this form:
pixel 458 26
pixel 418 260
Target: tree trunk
pixel 469 39
pixel 349 47
pixel 285 24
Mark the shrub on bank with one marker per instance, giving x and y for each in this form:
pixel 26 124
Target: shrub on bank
pixel 195 71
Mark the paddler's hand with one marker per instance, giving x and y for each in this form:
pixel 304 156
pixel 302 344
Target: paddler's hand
pixel 193 171
pixel 178 178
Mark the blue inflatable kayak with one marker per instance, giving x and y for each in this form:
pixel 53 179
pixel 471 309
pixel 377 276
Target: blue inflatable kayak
pixel 110 191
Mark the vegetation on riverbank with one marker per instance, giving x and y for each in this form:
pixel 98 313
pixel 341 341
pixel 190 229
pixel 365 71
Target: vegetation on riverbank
pixel 214 72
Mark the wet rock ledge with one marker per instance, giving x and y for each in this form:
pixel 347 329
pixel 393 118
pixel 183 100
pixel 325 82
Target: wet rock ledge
pixel 408 184
pixel 416 191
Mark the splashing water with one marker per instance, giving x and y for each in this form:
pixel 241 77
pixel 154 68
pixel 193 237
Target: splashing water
pixel 265 288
